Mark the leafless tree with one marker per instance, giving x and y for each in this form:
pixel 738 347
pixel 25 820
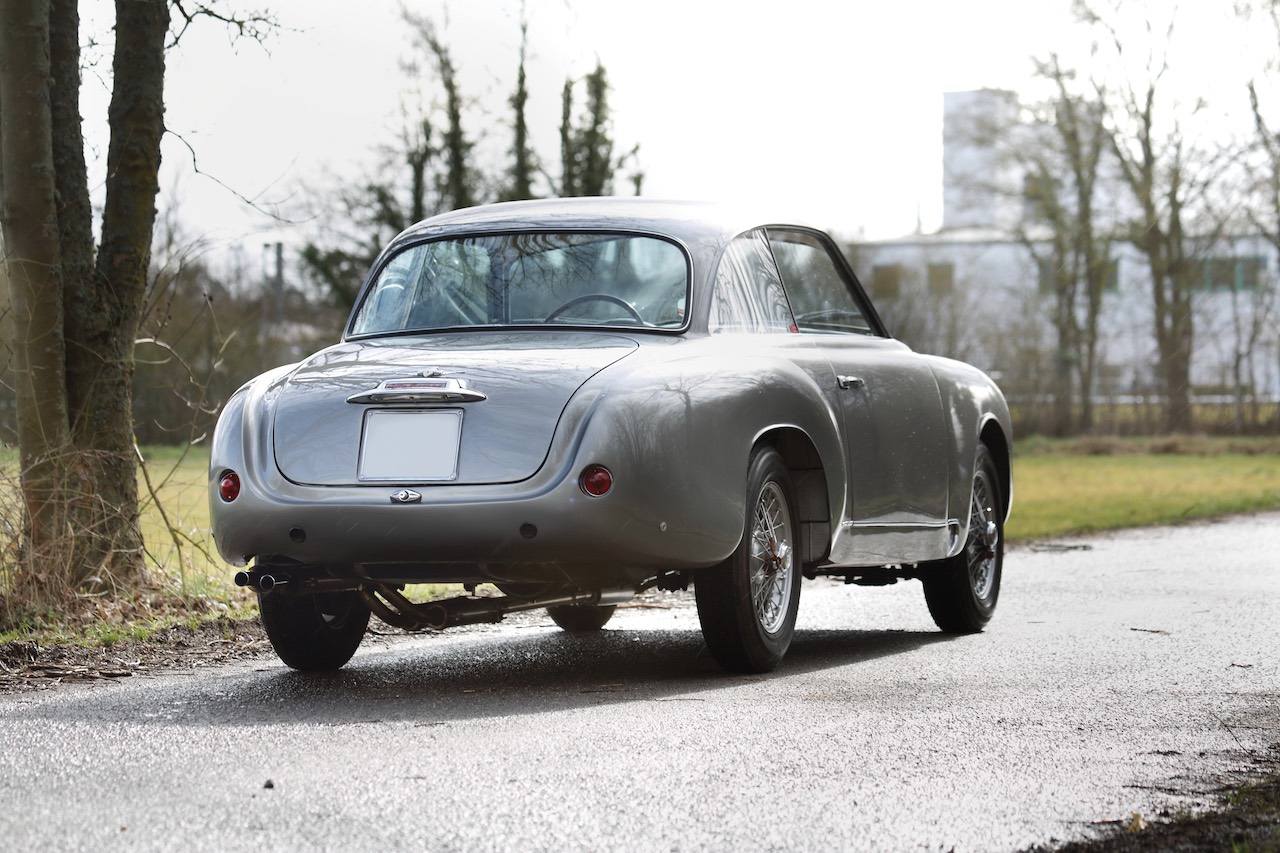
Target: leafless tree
pixel 1038 180
pixel 1264 209
pixel 1169 172
pixel 1062 159
pixel 77 306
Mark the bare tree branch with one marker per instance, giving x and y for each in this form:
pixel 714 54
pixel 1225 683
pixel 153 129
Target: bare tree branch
pixel 256 25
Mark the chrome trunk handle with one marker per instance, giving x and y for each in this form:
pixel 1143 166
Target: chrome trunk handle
pixel 426 390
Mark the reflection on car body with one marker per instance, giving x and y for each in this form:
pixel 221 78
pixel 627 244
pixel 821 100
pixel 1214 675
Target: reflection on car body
pixel 577 400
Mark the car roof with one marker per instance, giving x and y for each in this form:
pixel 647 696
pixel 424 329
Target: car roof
pixel 685 220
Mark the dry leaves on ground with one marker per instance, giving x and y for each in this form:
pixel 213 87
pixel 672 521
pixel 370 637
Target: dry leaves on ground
pixel 28 665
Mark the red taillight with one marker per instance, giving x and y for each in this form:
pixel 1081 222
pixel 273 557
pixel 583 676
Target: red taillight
pixel 229 486
pixel 596 480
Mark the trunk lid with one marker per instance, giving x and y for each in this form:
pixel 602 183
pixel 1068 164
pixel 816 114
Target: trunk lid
pixel 467 408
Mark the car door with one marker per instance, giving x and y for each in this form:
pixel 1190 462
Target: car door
pixel 895 435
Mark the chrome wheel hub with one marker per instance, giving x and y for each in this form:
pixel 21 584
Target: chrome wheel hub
pixel 772 559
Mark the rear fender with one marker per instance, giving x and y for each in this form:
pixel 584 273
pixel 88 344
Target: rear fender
pixel 678 438
pixel 975 411
pixel 241 443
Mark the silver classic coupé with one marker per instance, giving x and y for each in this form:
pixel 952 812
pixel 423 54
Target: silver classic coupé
pixel 577 400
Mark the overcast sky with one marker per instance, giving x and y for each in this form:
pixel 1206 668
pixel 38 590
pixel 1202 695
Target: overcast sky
pixel 828 109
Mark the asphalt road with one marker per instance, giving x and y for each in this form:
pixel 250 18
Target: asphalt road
pixel 1122 674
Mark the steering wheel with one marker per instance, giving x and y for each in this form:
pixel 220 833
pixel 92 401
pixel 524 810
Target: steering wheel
pixel 596 297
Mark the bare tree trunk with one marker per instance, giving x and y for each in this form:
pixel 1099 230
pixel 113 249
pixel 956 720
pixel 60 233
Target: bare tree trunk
pixel 102 333
pixel 1093 252
pixel 1097 268
pixel 76 245
pixel 1171 301
pixel 1176 355
pixel 1157 182
pixel 1237 391
pixel 30 221
pixel 1066 282
pixel 75 212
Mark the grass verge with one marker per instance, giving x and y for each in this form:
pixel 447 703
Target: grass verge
pixel 1057 495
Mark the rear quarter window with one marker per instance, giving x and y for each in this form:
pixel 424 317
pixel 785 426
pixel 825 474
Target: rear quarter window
pixel 748 294
pixel 822 297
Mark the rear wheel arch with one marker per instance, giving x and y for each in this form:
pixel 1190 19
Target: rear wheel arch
pixel 998 445
pixel 810 486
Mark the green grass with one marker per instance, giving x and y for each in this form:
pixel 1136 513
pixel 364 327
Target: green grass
pixel 173 505
pixel 1056 495
pixel 173 491
pixel 53 631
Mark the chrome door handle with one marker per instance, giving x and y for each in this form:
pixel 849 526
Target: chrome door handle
pixel 850 382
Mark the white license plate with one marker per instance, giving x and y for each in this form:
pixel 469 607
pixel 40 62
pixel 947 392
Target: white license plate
pixel 410 446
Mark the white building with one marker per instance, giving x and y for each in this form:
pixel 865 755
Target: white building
pixel 975 290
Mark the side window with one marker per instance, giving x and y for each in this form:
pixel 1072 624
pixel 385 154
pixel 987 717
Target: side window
pixel 748 295
pixel 823 300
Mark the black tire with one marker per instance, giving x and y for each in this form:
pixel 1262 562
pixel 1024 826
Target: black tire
pixel 747 605
pixel 581 618
pixel 963 590
pixel 314 632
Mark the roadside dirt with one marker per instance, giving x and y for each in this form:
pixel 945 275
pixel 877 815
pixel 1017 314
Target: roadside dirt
pixel 1247 821
pixel 27 665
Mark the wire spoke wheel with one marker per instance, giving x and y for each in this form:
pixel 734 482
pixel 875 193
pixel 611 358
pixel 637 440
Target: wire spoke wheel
pixel 962 591
pixel 747 605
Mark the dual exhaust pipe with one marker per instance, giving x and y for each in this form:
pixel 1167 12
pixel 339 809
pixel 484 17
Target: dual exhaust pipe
pixel 282 583
pixel 260 580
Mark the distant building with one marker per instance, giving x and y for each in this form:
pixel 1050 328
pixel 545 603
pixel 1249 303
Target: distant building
pixel 989 301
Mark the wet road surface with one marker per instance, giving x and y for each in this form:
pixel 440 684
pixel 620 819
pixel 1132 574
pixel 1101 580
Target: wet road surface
pixel 1122 673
